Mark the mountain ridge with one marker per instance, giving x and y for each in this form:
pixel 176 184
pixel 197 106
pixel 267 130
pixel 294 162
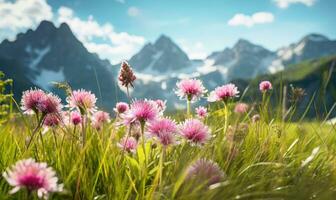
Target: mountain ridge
pixel 51 53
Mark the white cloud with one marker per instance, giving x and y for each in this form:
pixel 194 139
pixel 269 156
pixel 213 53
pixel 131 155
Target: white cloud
pixel 286 3
pixel 133 11
pixel 249 21
pixel 19 15
pixel 117 45
pixel 120 1
pixel 194 50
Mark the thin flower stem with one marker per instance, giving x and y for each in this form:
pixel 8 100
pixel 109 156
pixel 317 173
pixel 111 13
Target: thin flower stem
pixel 143 141
pixel 39 125
pixel 29 194
pixel 163 153
pixel 128 94
pixel 145 163
pixel 42 141
pixel 188 108
pixel 55 139
pixel 225 117
pixel 83 130
pixel 127 136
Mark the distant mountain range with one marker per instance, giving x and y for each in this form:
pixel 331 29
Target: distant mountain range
pixel 244 60
pixel 51 53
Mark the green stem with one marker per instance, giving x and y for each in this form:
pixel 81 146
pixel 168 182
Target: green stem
pixel 163 153
pixel 55 139
pixel 145 163
pixel 143 141
pixel 128 95
pixel 83 130
pixel 188 108
pixel 39 125
pixel 225 117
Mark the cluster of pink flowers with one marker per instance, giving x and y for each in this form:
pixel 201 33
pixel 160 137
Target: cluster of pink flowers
pixel 190 89
pixel 33 176
pixel 144 115
pixel 36 101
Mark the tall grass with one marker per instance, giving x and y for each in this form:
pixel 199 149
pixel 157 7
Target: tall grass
pixel 267 159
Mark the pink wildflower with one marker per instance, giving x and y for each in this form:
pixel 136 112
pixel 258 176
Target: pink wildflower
pixel 205 170
pixel 194 131
pixel 34 101
pixel 264 86
pixel 223 93
pixel 141 111
pixel 51 105
pixel 84 100
pixel 190 89
pixel 52 120
pixel 241 108
pixel 161 105
pixel 164 129
pixel 32 176
pixel 121 107
pixel 128 144
pixel 99 118
pixel 31 100
pixel 75 118
pixel 201 112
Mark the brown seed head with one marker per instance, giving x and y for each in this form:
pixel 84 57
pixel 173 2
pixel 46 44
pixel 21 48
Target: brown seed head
pixel 126 75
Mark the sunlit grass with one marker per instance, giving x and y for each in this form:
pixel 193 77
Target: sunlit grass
pixel 266 162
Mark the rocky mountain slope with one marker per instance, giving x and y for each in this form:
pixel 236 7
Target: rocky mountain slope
pixel 39 57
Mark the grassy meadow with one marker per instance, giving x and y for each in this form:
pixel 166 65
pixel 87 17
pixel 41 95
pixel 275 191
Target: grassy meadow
pixel 265 158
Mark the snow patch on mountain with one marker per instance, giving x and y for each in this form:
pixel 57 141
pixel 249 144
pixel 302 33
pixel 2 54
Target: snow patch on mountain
pixel 36 55
pixel 276 65
pixel 45 78
pixel 155 58
pixel 147 78
pixel 298 50
pixel 207 67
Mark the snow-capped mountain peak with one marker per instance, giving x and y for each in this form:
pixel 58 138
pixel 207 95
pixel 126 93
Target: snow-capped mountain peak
pixel 163 56
pixel 51 53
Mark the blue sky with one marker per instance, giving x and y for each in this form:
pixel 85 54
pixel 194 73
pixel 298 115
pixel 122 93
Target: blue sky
pixel 116 29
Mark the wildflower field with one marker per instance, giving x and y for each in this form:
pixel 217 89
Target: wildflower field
pixel 226 149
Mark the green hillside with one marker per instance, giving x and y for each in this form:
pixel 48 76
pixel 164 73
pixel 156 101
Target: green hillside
pixel 318 79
